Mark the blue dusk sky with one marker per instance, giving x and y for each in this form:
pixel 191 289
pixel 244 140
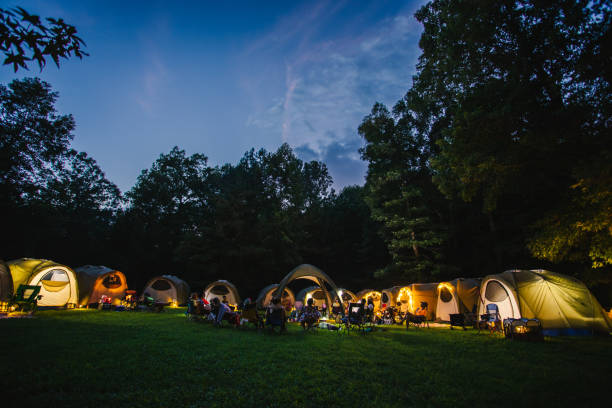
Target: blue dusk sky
pixel 220 78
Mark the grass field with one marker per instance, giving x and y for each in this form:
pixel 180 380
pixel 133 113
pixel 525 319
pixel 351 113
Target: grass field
pixel 108 359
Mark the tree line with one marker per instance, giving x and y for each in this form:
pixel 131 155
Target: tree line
pixel 498 156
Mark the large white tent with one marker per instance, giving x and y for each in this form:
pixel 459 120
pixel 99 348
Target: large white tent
pixel 58 283
pixel 221 288
pixel 167 289
pixel 96 280
pixel 456 296
pixel 564 305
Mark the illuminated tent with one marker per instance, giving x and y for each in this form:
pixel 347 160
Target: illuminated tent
pixel 564 305
pixel 58 283
pixel 389 296
pixel 265 296
pixel 370 293
pixel 222 288
pixel 6 282
pixel 409 298
pixel 167 289
pixel 347 296
pixel 314 292
pixel 310 272
pixel 95 281
pixel 457 296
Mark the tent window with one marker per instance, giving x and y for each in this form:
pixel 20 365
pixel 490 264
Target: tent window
pixel 161 284
pixel 495 292
pixel 57 275
pixel 445 295
pixel 385 298
pixel 112 282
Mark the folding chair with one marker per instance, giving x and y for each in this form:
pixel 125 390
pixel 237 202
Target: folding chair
pixel 356 318
pixel 490 320
pixel 26 298
pixel 275 318
pixel 250 315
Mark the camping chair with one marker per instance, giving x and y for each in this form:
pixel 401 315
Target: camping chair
pixel 275 318
pixel 26 298
pixel 419 319
pixel 490 320
pixel 250 315
pixel 356 318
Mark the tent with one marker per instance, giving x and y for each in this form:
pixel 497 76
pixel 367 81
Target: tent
pixel 265 296
pixel 388 297
pixel 564 305
pixel 456 296
pixel 222 288
pixel 6 282
pixel 347 296
pixel 314 292
pixel 409 298
pixel 168 289
pixel 310 272
pixel 370 293
pixel 95 281
pixel 58 283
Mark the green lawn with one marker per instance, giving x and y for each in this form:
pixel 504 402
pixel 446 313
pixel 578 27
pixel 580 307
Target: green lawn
pixel 107 359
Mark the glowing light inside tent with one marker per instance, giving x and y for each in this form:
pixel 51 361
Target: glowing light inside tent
pixel 445 285
pixel 403 294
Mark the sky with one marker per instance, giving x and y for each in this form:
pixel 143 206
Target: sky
pixel 220 78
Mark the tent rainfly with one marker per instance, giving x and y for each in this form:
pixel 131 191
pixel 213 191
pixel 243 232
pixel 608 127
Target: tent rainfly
pixel 564 305
pixel 168 289
pixel 58 283
pixel 95 281
pixel 265 296
pixel 457 296
pixel 370 293
pixel 409 298
pixel 222 288
pixel 6 282
pixel 312 273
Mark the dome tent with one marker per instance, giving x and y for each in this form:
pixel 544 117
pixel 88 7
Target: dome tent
pixel 265 296
pixel 564 305
pixel 312 292
pixel 222 288
pixel 58 283
pixel 456 296
pixel 347 296
pixel 167 289
pixel 6 282
pixel 95 281
pixel 370 293
pixel 389 296
pixel 410 297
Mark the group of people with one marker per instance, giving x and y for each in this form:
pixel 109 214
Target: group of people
pixel 216 310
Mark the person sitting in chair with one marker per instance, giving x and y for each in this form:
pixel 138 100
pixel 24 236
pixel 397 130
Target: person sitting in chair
pixel 222 310
pixel 422 310
pixel 370 310
pixel 275 308
pixel 310 315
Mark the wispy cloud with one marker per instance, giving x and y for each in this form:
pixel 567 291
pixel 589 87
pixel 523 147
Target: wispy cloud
pixel 332 82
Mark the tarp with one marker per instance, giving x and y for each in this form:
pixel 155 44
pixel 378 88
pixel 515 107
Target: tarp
pixel 58 282
pixel 95 281
pixel 177 289
pixel 311 272
pixel 563 304
pixel 6 282
pixel 457 296
pixel 222 288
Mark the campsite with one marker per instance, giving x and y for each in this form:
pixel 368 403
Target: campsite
pixel 313 203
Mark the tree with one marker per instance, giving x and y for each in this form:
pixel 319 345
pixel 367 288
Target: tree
pixel 400 193
pixel 520 94
pixel 21 31
pixel 35 139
